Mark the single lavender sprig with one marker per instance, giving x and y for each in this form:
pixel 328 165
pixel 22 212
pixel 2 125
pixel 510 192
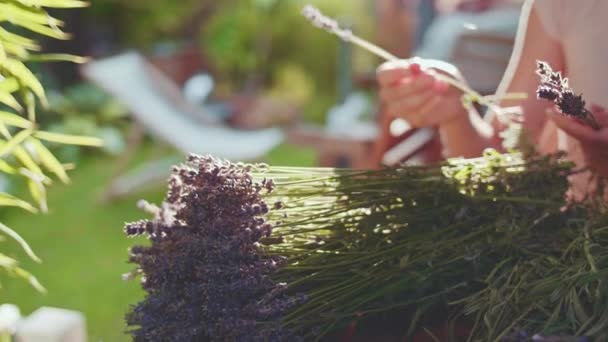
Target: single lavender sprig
pixel 330 25
pixel 555 88
pixel 318 19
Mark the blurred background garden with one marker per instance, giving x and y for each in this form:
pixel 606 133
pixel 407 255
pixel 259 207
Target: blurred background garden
pixel 252 77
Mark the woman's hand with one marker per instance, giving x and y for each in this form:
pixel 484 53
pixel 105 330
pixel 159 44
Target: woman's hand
pixel 593 142
pixel 410 93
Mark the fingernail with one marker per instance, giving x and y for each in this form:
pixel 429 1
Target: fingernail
pixel 415 69
pixel 441 86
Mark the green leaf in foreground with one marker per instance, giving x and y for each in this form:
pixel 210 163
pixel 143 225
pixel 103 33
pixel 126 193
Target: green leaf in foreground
pixel 12 119
pixel 8 146
pixel 8 200
pixel 57 57
pixel 69 139
pixel 11 266
pixel 49 161
pixel 11 233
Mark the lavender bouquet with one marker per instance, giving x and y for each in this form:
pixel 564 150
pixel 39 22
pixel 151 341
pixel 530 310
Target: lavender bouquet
pixel 257 253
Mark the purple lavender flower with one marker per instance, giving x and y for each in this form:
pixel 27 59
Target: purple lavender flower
pixel 555 88
pixel 548 93
pixel 204 273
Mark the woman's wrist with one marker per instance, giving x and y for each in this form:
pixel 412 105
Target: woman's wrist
pixel 466 134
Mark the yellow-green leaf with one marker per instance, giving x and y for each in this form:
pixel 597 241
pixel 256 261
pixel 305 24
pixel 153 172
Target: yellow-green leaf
pixel 33 19
pixel 2 53
pixel 26 43
pixel 7 168
pixel 7 262
pixel 8 200
pixel 30 105
pixel 10 101
pixel 15 141
pixel 12 234
pixel 9 85
pixel 14 120
pixel 28 162
pixel 53 32
pixel 4 131
pixel 25 76
pixel 13 11
pixel 57 57
pixel 55 3
pixel 69 139
pixel 21 273
pixel 38 192
pixel 14 50
pixel 49 161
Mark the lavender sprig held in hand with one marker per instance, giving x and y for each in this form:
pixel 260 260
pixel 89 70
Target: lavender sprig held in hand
pixel 555 88
pixel 447 74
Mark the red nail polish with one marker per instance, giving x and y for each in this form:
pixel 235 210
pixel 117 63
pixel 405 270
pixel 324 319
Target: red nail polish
pixel 415 69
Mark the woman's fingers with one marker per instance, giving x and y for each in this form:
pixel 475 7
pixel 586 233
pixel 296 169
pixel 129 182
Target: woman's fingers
pixel 423 116
pixel 407 87
pixel 576 129
pixel 600 114
pixel 408 92
pixel 405 107
pixel 437 110
pixel 391 73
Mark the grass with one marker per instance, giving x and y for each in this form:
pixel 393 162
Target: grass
pixel 83 247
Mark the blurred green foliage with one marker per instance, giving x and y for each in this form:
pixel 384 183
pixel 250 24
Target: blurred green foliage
pixel 24 153
pixel 84 109
pixel 264 45
pixel 142 23
pixel 269 43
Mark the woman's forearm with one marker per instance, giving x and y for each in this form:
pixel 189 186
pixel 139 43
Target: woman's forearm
pixel 468 136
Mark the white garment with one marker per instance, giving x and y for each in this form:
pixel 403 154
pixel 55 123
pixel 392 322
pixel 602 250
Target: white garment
pixel 441 37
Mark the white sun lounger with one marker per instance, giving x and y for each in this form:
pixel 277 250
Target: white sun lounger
pixel 156 103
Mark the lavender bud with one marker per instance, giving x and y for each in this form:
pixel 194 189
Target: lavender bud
pixel 547 93
pixel 318 19
pixel 571 104
pixel 264 208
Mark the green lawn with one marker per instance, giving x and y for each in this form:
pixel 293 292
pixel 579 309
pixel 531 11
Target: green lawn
pixel 84 250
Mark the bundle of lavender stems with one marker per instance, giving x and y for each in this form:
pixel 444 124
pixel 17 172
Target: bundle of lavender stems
pixel 258 253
